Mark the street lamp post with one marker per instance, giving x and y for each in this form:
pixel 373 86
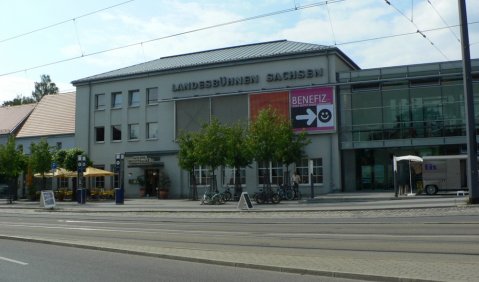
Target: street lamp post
pixel 120 192
pixel 81 165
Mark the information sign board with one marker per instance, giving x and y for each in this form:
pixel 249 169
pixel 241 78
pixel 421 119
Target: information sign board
pixel 47 199
pixel 245 201
pixel 312 109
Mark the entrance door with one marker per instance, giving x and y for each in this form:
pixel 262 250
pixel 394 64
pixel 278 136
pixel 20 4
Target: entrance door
pixel 151 182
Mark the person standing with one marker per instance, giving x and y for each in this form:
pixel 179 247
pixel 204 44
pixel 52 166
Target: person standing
pixel 296 178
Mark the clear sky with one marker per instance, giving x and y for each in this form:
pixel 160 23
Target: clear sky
pixel 37 34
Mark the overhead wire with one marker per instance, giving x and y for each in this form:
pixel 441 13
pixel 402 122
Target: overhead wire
pixel 444 21
pixel 229 23
pixel 301 7
pixel 417 29
pixel 63 22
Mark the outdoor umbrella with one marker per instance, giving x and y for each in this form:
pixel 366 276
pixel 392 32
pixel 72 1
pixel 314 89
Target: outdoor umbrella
pixel 95 172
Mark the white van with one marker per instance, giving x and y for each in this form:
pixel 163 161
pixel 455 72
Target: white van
pixel 444 173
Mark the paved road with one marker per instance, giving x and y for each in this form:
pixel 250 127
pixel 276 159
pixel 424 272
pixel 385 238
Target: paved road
pixel 25 262
pixel 412 239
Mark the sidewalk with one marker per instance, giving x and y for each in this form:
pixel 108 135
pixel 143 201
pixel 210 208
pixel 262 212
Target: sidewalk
pixel 327 202
pixel 346 264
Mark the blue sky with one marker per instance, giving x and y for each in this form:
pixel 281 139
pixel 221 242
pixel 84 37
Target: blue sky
pixel 72 33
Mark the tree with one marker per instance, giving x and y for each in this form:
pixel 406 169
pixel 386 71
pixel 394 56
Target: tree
pixel 19 100
pixel 211 147
pixel 70 161
pixel 41 159
pixel 12 164
pixel 187 159
pixel 271 138
pixel 238 154
pixel 291 145
pixel 44 87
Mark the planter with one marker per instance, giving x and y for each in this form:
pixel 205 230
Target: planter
pixel 163 194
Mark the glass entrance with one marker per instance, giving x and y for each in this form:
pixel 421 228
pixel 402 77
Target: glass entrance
pixel 151 182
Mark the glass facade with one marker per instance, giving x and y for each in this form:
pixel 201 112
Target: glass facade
pixel 416 110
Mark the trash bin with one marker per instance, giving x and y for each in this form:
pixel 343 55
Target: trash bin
pixel 81 196
pixel 119 196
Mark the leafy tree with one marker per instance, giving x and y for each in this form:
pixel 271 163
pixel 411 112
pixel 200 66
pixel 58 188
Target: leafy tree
pixel 71 159
pixel 271 138
pixel 12 163
pixel 187 158
pixel 59 157
pixel 238 154
pixel 211 147
pixel 44 87
pixel 19 100
pixel 291 145
pixel 41 159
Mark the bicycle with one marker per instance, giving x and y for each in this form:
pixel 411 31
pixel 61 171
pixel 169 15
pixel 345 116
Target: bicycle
pixel 285 192
pixel 266 195
pixel 227 194
pixel 212 197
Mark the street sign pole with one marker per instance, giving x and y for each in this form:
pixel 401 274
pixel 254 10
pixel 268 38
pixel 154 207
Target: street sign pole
pixel 472 176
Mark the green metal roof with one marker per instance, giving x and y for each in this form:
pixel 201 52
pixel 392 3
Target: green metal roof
pixel 234 54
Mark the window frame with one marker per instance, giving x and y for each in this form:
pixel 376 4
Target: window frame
pixel 275 169
pixel 96 134
pixel 230 171
pixel 116 100
pixel 148 93
pixel 203 175
pixel 132 126
pixel 134 102
pixel 148 127
pixel 116 127
pixel 100 106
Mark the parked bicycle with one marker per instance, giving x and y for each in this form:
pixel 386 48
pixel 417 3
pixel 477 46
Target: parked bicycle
pixel 212 197
pixel 227 194
pixel 266 195
pixel 285 192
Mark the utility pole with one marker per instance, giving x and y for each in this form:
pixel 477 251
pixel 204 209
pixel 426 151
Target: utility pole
pixel 472 178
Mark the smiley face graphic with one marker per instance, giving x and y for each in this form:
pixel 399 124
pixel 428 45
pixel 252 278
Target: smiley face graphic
pixel 324 115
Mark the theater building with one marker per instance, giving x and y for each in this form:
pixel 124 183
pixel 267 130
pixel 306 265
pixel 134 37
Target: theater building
pixel 139 111
pixel 356 119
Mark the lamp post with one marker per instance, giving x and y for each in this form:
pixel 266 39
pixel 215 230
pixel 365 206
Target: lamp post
pixel 120 192
pixel 81 165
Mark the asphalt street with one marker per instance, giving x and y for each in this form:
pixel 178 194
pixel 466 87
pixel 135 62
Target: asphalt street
pixel 412 239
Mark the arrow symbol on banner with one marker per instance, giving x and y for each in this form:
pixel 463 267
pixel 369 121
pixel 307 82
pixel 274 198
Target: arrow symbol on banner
pixel 311 116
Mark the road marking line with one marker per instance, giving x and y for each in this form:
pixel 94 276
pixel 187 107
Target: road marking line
pixel 14 261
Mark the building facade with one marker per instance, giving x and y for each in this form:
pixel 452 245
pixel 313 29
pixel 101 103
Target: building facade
pixel 356 119
pixel 139 111
pixel 405 110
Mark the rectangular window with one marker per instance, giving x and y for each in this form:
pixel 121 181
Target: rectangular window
pixel 317 171
pixel 152 95
pixel 100 180
pixel 134 98
pixel 203 175
pixel 116 100
pixel 100 134
pixel 152 130
pixel 302 168
pixel 116 132
pixel 133 131
pixel 100 101
pixel 63 182
pixel 229 176
pixel 275 174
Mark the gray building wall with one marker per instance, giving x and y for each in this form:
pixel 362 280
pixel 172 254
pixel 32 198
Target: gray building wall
pixel 324 145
